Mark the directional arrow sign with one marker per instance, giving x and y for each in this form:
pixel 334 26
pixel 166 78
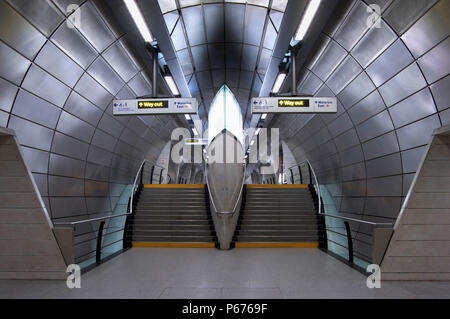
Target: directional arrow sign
pixel 262 105
pixel 155 106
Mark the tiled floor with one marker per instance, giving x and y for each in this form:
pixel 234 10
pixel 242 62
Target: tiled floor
pixel 210 273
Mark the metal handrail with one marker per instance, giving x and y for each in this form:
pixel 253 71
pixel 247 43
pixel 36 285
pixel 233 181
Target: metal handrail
pixel 357 220
pixel 319 195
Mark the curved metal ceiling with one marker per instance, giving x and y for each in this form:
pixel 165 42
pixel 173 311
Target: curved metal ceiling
pixel 221 42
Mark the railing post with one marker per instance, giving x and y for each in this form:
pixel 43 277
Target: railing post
pixel 98 251
pixel 160 175
pixel 300 174
pixel 349 242
pixel 292 176
pixel 142 175
pixel 310 174
pixel 151 174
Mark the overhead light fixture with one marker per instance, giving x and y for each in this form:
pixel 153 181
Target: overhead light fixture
pixel 195 131
pixel 204 151
pixel 264 116
pixel 279 82
pixel 172 86
pixel 187 116
pixel 139 20
pixel 252 142
pixel 307 19
pixel 257 131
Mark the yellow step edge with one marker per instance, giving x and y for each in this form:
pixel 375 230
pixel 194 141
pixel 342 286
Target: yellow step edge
pixel 174 245
pixel 277 245
pixel 277 186
pixel 174 186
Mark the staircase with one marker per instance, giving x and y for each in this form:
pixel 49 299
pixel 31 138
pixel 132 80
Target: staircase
pixel 278 216
pixel 172 216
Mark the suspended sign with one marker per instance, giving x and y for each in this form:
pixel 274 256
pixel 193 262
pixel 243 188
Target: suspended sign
pixel 262 105
pixel 155 106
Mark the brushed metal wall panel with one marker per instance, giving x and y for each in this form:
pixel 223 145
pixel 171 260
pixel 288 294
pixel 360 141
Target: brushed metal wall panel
pixel 254 26
pixel 63 207
pixel 38 81
pixel 65 166
pixel 352 155
pixel 74 45
pixel 19 33
pixel 31 134
pixel 99 156
pixel 402 14
pixel 178 39
pixel 82 108
pixel 106 76
pixel 355 91
pixel 65 145
pixel 234 20
pixel 72 126
pixel 3 118
pixel 387 207
pixel 381 146
pixel 140 85
pixel 94 28
pixel 394 59
pixel 411 159
pixel 15 70
pixel 354 188
pixel 63 4
pixel 375 126
pixel 104 140
pixel 310 85
pixel 36 160
pixel 343 75
pixel 97 172
pixel 403 84
pixel 214 22
pixel 93 91
pixel 97 205
pixel 34 109
pixel 340 125
pixel 384 166
pixel 374 42
pixel 41 183
pixel 418 106
pixel 354 172
pixel 445 117
pixel 347 140
pixel 426 33
pixel 329 60
pixel 353 27
pixel 418 133
pixel 94 188
pixel 41 13
pixel 54 61
pixel 64 186
pixel 435 64
pixel 441 93
pixel 369 106
pixel 120 61
pixel 7 95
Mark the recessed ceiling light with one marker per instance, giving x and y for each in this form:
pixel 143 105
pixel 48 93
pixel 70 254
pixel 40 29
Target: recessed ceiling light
pixel 279 82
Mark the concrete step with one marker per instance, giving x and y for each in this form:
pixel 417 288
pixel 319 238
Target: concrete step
pixel 308 233
pixel 178 239
pixel 139 233
pixel 277 227
pixel 257 239
pixel 185 217
pixel 172 227
pixel 269 222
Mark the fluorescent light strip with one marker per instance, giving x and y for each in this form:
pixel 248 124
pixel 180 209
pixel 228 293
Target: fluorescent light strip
pixel 264 116
pixel 195 131
pixel 139 20
pixel 307 19
pixel 187 116
pixel 257 131
pixel 279 82
pixel 252 142
pixel 172 85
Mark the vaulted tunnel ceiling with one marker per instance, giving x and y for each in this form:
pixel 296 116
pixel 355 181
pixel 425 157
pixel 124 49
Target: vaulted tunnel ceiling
pixel 220 42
